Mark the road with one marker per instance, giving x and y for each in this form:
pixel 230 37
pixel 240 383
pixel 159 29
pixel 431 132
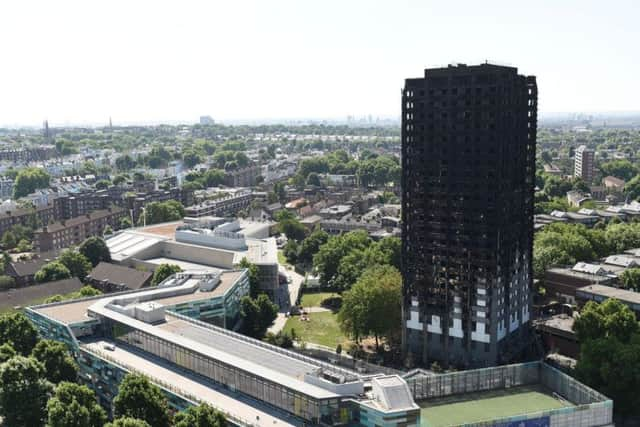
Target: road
pixel 286 297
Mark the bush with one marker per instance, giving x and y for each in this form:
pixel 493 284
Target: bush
pixel 6 282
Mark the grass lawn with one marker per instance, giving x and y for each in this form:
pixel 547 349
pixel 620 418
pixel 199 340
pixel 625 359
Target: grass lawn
pixel 314 300
pixel 322 328
pixel 476 407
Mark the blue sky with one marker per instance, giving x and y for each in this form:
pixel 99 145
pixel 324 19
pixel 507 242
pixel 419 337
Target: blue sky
pixel 144 61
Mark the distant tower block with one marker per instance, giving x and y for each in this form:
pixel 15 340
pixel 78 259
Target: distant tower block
pixel 45 130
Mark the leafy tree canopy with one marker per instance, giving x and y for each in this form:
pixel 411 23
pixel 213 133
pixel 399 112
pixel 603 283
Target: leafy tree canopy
pixel 17 330
pixel 200 416
pixel 52 271
pixel 95 250
pixel 139 398
pixel 74 405
pixel 58 363
pixel 163 271
pixel 23 392
pixel 78 264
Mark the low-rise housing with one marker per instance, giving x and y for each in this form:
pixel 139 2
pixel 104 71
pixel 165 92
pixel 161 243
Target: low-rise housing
pixel 110 277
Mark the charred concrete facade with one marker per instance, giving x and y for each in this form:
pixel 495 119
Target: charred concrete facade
pixel 468 165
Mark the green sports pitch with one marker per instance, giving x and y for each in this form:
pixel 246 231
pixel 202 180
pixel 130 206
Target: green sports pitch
pixel 487 405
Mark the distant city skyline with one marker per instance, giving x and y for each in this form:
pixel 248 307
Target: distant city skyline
pixel 74 62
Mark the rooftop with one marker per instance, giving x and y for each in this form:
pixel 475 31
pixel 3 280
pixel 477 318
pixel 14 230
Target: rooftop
pixel 611 292
pixel 117 274
pixel 482 406
pixel 217 398
pixel 75 311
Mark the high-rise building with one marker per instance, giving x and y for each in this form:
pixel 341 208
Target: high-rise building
pixel 468 169
pixel 584 163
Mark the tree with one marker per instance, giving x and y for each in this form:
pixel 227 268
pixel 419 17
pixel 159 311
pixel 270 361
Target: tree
pixel 78 264
pixel 311 245
pixel 313 179
pixel 328 258
pixel 29 180
pixel 127 422
pixel 611 318
pixel 191 158
pixel 23 246
pixel 630 279
pixel 156 212
pixel 557 187
pixel 257 315
pixel 6 352
pixel 372 307
pixel 545 257
pixel 213 178
pixel 280 191
pixel 138 398
pixel 17 330
pixel 9 240
pixel 163 271
pixel 23 392
pixel 86 291
pixel 200 416
pixel 125 223
pixel 74 405
pixel 610 352
pixel 391 247
pixel 290 226
pixel 52 271
pixel 622 169
pixel 120 179
pixel 254 279
pixel 96 250
pixel 290 251
pixel 632 188
pixel 102 184
pixel 6 282
pixel 58 363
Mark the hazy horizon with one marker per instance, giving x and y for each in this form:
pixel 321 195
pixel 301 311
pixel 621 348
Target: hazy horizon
pixel 75 62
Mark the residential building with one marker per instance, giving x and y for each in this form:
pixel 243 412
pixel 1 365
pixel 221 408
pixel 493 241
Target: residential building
pixel 561 283
pixel 244 177
pixel 23 271
pixel 115 278
pixel 228 205
pixel 28 217
pixel 136 202
pixel 558 336
pixel 66 233
pixel 31 154
pixel 468 168
pixel 584 163
pixel 6 188
pixel 599 293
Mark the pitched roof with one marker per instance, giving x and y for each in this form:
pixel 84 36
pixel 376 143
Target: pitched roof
pixel 119 275
pixel 28 294
pixel 31 266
